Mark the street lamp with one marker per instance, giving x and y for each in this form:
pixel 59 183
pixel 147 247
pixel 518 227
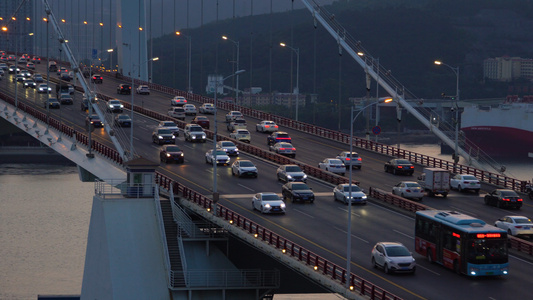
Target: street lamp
pixel 456 71
pixel 349 236
pixel 189 88
pixel 110 51
pixel 236 43
pixel 215 193
pixel 297 51
pixel 132 93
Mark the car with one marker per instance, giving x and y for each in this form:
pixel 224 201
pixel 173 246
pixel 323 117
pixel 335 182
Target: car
pixel 170 125
pixel 84 104
pixel 194 133
pixel 351 159
pixel 268 203
pixel 297 192
pixel 11 57
pixel 393 257
pixel 207 108
pixel 222 157
pixel 266 126
pixel 409 190
pixel 242 135
pixel 123 120
pixel 61 70
pixel 341 192
pixel 2 72
pixel 503 198
pixel 516 225
pixel 26 56
pixel 177 112
pixel 178 101
pixel 399 166
pixel 236 124
pixel 51 103
pixel 171 153
pixel 29 83
pixel 115 106
pixel 333 165
pixel 22 60
pixel 163 136
pixel 289 173
pixel 3 58
pixel 30 66
pixel 43 88
pixel 124 89
pixel 38 77
pixel 97 78
pixel 202 121
pixel 190 109
pixel 283 148
pixel 93 120
pixel 142 90
pixel 66 99
pixel 277 137
pixel 232 115
pixel 25 73
pixel 36 60
pixel 13 69
pixel 465 182
pixel 242 167
pixel 52 66
pixel 18 78
pixel 229 147
pixel 3 66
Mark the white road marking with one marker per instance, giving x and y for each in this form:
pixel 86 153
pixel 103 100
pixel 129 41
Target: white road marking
pixel 345 210
pixel 344 231
pixel 404 234
pixel 304 213
pixel 250 189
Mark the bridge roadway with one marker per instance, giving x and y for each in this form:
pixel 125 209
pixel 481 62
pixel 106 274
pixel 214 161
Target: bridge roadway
pixel 320 227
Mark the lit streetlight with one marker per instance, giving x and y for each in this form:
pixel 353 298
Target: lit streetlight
pixel 349 235
pixel 110 51
pixel 189 59
pixel 236 43
pixel 297 90
pixel 456 71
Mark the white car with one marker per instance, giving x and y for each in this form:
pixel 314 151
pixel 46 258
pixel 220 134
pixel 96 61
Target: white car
pixel 283 149
pixel 268 203
pixel 178 101
pixel 229 147
pixel 43 88
pixel 207 108
pixel 232 115
pixel 409 189
pixel 242 135
pixel 115 106
pixel 266 126
pixel 341 192
pixel 290 173
pixel 243 168
pixel 516 225
pixel 465 182
pixel 393 257
pixel 333 165
pixel 170 125
pixel 351 159
pixel 190 109
pixel 221 157
pixel 142 90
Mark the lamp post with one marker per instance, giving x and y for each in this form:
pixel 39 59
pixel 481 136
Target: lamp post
pixel 456 71
pixel 236 43
pixel 297 51
pixel 132 93
pixel 189 59
pixel 215 193
pixel 110 51
pixel 349 236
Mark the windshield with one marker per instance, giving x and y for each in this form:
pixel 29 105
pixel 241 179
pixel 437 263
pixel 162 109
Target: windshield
pixel 283 135
pixel 221 152
pixel 293 169
pixel 123 117
pixel 509 194
pixel 403 162
pixel 247 164
pixel 393 251
pixel 300 186
pixel 164 131
pixel 412 184
pixel 173 149
pixel 522 221
pixel 335 162
pixel 168 124
pixel 195 128
pixel 270 197
pixel 227 144
pixel 487 251
pixel 355 188
pixel 469 177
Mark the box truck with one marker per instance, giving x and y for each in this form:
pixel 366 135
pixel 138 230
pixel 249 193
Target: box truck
pixel 435 181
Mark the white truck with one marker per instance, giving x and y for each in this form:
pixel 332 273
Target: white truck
pixel 435 181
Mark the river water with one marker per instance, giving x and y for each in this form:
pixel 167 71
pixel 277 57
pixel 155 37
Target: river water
pixel 44 221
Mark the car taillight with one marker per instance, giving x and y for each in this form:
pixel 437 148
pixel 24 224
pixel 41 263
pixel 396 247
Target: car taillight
pixel 267 126
pixel 506 199
pixel 411 167
pixel 519 199
pixel 518 227
pixel 347 158
pixel 359 159
pixel 275 126
pixel 400 167
pixel 408 191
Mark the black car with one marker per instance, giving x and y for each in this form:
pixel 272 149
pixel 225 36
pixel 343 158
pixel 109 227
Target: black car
pixel 124 89
pixel 297 192
pixel 163 136
pixel 93 120
pixel 503 198
pixel 278 136
pixel 85 104
pixel 52 103
pixel 399 166
pixel 97 78
pixel 170 153
pixel 65 99
pixel 123 120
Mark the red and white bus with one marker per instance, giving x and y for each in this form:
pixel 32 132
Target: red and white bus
pixel 462 243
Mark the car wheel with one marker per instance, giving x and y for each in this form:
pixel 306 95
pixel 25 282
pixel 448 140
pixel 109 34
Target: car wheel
pixel 394 171
pixel 509 232
pixel 386 269
pixel 498 204
pixel 486 201
pixel 459 188
pixel 345 200
pixel 402 195
pixel 232 172
pixel 476 191
pixel 428 255
pixel 374 262
pixel 206 161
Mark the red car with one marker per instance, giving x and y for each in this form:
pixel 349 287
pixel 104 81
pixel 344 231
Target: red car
pixel 203 121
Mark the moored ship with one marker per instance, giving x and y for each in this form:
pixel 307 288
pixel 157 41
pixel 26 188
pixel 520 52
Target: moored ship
pixel 501 130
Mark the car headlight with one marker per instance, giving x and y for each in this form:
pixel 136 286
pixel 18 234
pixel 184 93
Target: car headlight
pixel 289 176
pixel 181 154
pixel 267 205
pixel 305 177
pixel 121 106
pixel 203 136
pixel 173 136
pixel 194 137
pixel 282 205
pixel 364 197
pixel 159 137
pixel 169 155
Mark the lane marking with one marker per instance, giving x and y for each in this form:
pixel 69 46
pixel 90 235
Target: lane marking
pixel 404 234
pixel 344 231
pixel 305 214
pixel 248 188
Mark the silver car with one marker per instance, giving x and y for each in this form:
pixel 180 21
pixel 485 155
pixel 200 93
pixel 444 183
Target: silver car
pixel 351 159
pixel 288 173
pixel 283 149
pixel 268 203
pixel 229 147
pixel 170 125
pixel 243 168
pixel 408 189
pixel 342 193
pixel 393 257
pixel 221 157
